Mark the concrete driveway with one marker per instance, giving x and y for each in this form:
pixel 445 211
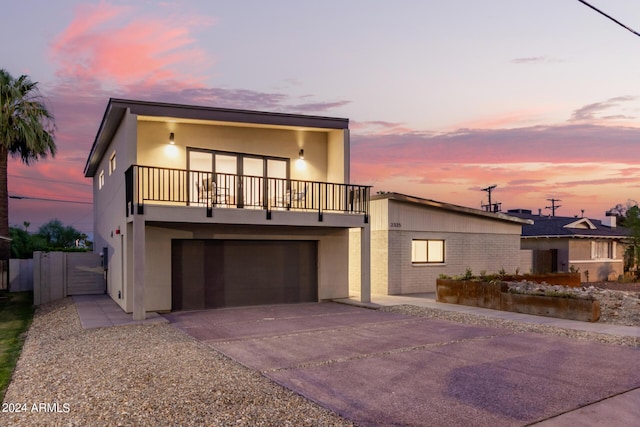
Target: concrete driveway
pixel 379 368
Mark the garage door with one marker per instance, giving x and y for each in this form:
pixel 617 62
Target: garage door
pixel 229 273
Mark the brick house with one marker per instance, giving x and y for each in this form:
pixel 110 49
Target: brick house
pixel 415 240
pixel 593 247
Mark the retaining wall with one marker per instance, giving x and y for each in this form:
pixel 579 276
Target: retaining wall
pixel 495 296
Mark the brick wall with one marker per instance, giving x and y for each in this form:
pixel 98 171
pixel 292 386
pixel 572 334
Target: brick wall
pixel 478 251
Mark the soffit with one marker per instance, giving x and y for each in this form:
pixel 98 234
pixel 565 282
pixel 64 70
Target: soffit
pixel 166 119
pixel 117 108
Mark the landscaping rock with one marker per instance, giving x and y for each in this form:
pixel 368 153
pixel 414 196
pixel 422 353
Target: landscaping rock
pixel 616 307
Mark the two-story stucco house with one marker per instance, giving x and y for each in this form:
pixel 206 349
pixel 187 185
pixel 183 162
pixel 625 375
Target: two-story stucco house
pixel 199 207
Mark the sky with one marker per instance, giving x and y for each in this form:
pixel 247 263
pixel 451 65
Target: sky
pixel 445 98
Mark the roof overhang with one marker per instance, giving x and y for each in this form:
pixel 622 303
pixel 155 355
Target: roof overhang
pixel 117 108
pixel 497 216
pixel 575 236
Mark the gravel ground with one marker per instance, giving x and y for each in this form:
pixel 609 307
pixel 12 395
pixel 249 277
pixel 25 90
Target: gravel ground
pixel 617 286
pixel 141 375
pixel 155 375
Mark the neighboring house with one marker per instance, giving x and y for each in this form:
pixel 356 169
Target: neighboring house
pixel 414 240
pixel 199 207
pixel 560 244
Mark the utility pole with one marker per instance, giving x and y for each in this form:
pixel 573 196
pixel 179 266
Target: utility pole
pixel 490 207
pixel 553 206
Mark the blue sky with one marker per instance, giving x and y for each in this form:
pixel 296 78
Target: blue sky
pixel 445 98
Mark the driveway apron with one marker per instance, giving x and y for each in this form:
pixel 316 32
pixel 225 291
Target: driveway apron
pixel 380 368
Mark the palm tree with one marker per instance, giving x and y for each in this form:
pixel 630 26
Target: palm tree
pixel 26 131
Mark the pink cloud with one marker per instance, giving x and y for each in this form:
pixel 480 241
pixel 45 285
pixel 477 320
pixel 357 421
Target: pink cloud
pixel 380 127
pixel 108 51
pixel 103 43
pixel 589 167
pixel 570 143
pixel 511 119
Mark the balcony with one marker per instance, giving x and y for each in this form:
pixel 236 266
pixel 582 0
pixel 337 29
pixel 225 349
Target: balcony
pixel 181 187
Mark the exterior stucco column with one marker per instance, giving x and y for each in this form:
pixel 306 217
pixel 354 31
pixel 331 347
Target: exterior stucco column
pixel 138 267
pixel 365 263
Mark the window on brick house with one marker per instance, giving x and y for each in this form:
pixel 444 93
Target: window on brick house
pixel 427 251
pixel 603 250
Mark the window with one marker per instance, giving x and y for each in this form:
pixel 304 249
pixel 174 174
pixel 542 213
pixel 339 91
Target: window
pixel 603 250
pixel 427 251
pixel 112 163
pixel 239 178
pixel 101 180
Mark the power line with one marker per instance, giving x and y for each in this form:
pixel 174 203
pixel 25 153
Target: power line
pixel 49 180
pixel 490 207
pixel 49 200
pixel 610 17
pixel 553 206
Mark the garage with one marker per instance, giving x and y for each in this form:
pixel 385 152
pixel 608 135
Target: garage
pixel 209 273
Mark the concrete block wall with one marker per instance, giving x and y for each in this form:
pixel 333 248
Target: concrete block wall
pixel 526 261
pixel 480 252
pixel 48 277
pixel 20 275
pixel 380 265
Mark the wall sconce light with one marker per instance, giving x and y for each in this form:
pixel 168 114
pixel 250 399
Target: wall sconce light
pixel 172 139
pixel 301 154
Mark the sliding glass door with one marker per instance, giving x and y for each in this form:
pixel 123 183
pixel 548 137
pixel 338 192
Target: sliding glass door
pixel 252 181
pixel 243 180
pixel 225 168
pixel 200 177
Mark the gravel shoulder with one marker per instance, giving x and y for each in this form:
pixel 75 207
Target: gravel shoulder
pixel 142 375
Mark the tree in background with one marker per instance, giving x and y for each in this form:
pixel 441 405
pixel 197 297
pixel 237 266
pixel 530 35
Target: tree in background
pixel 631 221
pixel 26 131
pixel 58 236
pixel 52 236
pixel 628 216
pixel 24 244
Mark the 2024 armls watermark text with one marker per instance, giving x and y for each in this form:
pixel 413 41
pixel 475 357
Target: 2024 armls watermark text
pixel 52 407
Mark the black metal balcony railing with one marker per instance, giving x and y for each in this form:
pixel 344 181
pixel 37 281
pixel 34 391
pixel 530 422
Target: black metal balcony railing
pixel 196 188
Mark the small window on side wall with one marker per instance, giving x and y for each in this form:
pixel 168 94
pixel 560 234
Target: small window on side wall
pixel 427 251
pixel 101 180
pixel 112 163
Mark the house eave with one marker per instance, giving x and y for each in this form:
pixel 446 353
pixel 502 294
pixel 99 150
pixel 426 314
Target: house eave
pixel 110 121
pixel 194 112
pixel 573 237
pixel 116 109
pixel 499 216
